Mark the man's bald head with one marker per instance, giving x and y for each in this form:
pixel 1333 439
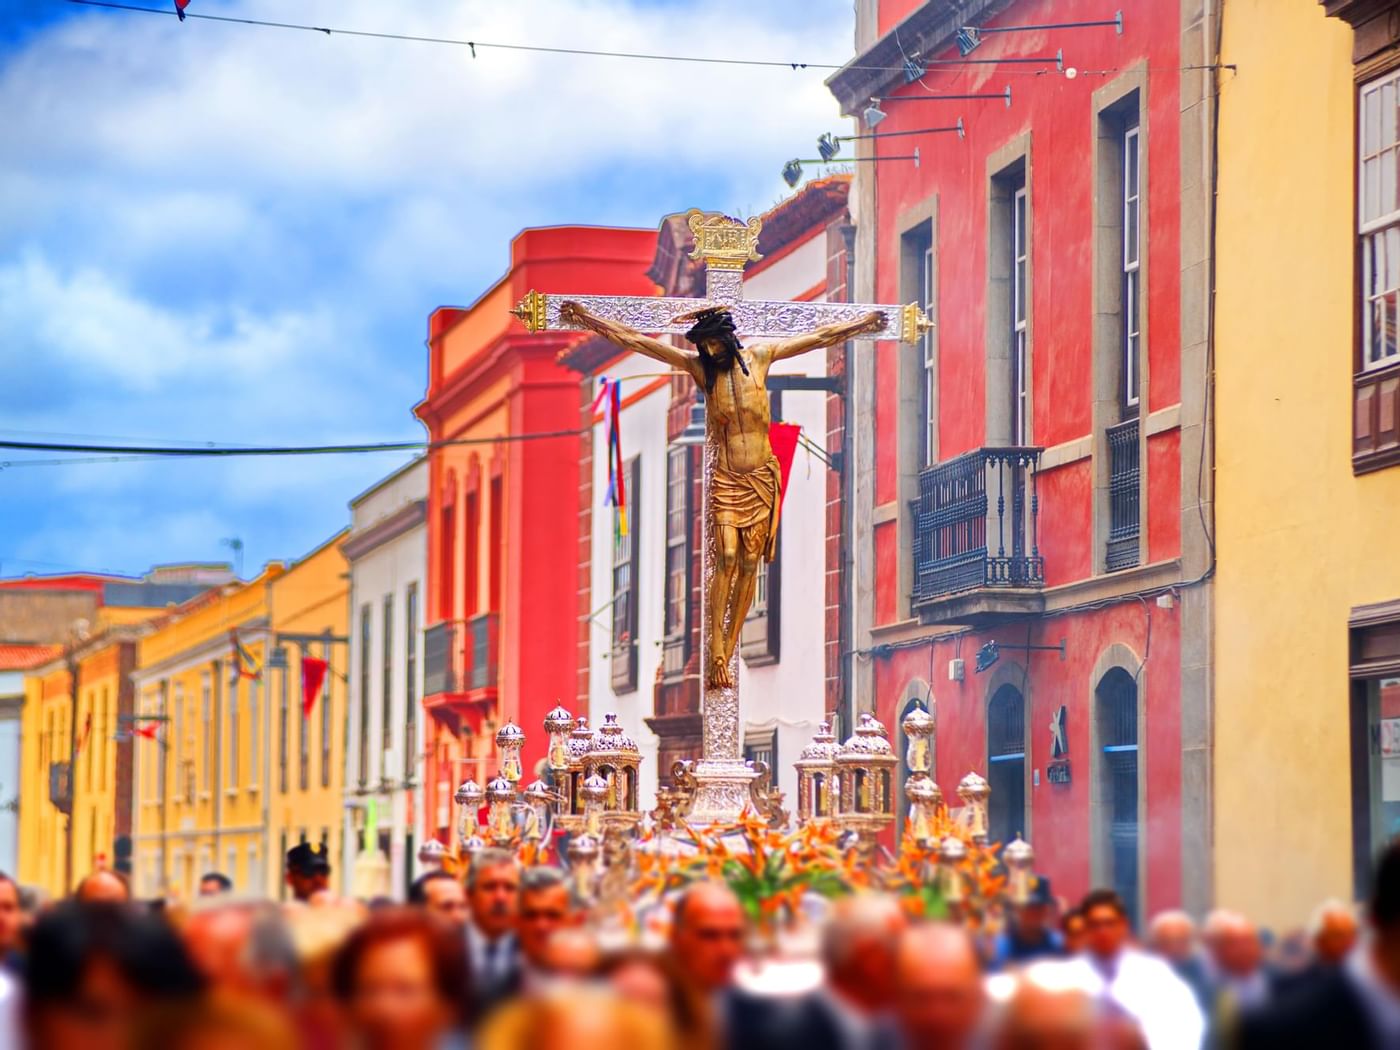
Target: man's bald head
pixel 1048 1013
pixel 1234 943
pixel 707 935
pixel 859 946
pixel 938 984
pixel 1333 931
pixel 105 886
pixel 1172 935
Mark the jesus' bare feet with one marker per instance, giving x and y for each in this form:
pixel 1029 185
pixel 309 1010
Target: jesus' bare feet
pixel 719 673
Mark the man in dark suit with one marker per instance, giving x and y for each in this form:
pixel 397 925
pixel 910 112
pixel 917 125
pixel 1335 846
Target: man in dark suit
pixel 493 892
pixel 851 1011
pixel 1356 1005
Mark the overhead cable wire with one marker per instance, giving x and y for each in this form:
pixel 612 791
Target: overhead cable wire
pixel 86 453
pixel 473 45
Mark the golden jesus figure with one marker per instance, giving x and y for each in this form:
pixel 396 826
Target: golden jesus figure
pixel 745 489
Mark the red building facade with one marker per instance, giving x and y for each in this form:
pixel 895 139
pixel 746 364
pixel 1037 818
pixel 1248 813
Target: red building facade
pixel 1032 519
pixel 502 523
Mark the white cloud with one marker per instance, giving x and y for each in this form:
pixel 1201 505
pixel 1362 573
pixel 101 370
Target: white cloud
pixel 221 232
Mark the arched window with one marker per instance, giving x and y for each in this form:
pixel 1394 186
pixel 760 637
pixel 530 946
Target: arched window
pixel 1118 772
pixel 1006 764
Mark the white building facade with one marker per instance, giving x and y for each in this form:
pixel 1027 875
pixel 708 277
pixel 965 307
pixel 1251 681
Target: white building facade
pixel 388 554
pixel 642 590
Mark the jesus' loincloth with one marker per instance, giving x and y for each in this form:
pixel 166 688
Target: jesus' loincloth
pixel 747 500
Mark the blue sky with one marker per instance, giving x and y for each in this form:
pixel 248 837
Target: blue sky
pixel 221 233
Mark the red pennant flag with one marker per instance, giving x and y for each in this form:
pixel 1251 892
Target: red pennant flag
pixel 313 674
pixel 180 6
pixel 782 437
pixel 149 731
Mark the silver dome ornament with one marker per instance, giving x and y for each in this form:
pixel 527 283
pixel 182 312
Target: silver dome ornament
pixel 866 765
pixel 500 798
pixel 594 794
pixel 974 792
pixel 816 774
pixel 615 757
pixel 919 726
pixel 952 851
pixel 510 741
pixel 1018 857
pixel 431 855
pixel 557 726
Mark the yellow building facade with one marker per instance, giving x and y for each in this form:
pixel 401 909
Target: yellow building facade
pixel 200 795
pixel 1307 621
pixel 75 764
pixel 310 607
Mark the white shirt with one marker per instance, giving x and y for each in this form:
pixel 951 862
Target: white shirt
pixel 1149 991
pixel 1378 999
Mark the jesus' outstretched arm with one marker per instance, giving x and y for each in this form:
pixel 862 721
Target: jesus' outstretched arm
pixel 829 335
pixel 628 338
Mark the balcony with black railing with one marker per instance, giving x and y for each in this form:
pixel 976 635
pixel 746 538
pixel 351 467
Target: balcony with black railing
pixel 483 632
pixel 461 660
pixel 443 663
pixel 1124 495
pixel 977 556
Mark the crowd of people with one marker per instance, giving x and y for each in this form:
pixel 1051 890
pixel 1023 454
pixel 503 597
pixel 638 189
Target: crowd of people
pixel 505 959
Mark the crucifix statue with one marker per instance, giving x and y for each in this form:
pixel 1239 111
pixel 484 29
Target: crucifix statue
pixel 742 478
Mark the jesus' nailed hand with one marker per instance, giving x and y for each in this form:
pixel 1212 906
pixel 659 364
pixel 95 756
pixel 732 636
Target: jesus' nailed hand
pixel 744 491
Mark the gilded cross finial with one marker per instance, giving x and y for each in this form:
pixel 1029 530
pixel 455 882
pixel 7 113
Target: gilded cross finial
pixel 724 243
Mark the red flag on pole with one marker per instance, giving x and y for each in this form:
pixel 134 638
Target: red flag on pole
pixel 180 6
pixel 783 439
pixel 313 674
pixel 149 730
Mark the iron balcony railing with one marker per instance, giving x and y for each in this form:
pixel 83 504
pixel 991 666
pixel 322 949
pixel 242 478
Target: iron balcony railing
pixel 461 655
pixel 442 658
pixel 1124 499
pixel 482 634
pixel 975 523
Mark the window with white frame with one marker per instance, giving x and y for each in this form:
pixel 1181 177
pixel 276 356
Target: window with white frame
pixel 1379 218
pixel 1132 291
pixel 254 696
pixel 1020 317
pixel 677 534
pixel 916 283
pixel 386 698
pixel 410 736
pixel 210 737
pixel 231 779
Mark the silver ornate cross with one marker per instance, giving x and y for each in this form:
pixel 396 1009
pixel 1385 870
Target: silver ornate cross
pixel 726 245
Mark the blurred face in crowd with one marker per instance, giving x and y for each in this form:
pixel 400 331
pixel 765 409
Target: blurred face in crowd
pixel 1032 921
pixel 217 941
pixel 211 887
pixel 641 981
pixel 306 885
pixel 707 938
pixel 1236 947
pixel 98 1016
pixel 494 899
pixel 1074 932
pixel 103 886
pixel 1174 937
pixel 1335 936
pixel 543 913
pixel 394 1001
pixel 11 917
pixel 447 899
pixel 571 953
pixel 938 985
pixel 1106 931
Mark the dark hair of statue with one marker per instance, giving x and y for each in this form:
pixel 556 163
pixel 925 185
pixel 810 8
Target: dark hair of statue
pixel 716 326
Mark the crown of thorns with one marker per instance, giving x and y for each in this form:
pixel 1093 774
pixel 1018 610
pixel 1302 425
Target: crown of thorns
pixel 711 322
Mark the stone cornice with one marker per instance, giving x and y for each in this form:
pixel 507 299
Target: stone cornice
pixel 926 31
pixel 381 532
